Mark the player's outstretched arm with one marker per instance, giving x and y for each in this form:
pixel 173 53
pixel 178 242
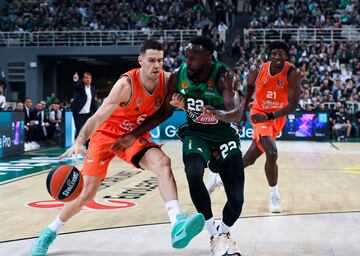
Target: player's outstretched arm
pixel 227 84
pixel 120 93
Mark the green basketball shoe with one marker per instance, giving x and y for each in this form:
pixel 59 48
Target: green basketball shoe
pixel 41 245
pixel 186 228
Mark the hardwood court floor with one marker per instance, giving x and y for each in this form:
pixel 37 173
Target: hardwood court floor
pixel 314 178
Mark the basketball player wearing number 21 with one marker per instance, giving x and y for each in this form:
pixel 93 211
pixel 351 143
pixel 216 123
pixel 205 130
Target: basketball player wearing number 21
pixel 277 85
pixel 138 94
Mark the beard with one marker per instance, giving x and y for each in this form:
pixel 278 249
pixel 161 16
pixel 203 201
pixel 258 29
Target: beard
pixel 193 73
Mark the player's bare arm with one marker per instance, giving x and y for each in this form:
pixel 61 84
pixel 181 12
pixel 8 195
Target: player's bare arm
pixel 150 122
pixel 119 94
pixel 250 89
pixel 227 84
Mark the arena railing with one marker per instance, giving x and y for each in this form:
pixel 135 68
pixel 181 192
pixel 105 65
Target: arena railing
pixel 92 38
pixel 308 35
pixel 355 106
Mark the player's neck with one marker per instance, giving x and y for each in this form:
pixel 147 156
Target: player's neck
pixel 147 83
pixel 275 70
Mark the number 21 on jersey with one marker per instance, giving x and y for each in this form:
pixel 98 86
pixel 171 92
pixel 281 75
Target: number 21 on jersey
pixel 271 95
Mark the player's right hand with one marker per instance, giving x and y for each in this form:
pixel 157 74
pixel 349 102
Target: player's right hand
pixel 76 149
pixel 178 100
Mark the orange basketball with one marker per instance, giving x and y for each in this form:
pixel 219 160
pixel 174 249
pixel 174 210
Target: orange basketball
pixel 64 183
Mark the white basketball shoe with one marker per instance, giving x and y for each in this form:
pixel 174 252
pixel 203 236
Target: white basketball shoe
pixel 219 244
pixel 275 204
pixel 214 182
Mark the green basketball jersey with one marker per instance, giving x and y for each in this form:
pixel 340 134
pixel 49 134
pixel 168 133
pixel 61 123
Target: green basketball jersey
pixel 197 96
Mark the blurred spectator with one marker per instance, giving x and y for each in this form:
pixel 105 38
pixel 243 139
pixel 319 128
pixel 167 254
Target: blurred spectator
pixel 29 111
pixel 2 97
pixel 19 106
pixel 55 118
pixel 42 129
pixel 341 123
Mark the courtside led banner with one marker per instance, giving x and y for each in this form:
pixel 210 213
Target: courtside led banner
pixel 299 126
pixel 11 133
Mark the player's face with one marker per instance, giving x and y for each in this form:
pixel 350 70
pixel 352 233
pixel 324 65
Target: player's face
pixel 196 62
pixel 151 63
pixel 278 57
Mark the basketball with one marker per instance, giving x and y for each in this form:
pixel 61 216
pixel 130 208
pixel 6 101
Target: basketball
pixel 64 183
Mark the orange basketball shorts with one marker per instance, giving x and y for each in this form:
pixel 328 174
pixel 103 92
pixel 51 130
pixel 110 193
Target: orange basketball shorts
pixel 100 151
pixel 270 128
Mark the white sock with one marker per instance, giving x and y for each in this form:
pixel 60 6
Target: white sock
pixel 224 229
pixel 211 227
pixel 56 224
pixel 173 209
pixel 274 191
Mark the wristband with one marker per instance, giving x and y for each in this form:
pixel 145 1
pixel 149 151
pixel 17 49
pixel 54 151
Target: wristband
pixel 270 116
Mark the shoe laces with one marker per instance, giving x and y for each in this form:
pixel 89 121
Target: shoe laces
pixel 45 240
pixel 181 216
pixel 231 241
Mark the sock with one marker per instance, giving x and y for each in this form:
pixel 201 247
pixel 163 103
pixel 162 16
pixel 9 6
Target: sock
pixel 224 229
pixel 210 226
pixel 56 224
pixel 173 209
pixel 274 191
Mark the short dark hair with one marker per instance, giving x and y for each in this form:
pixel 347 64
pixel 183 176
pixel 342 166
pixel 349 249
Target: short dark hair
pixel 279 45
pixel 204 42
pixel 87 74
pixel 150 44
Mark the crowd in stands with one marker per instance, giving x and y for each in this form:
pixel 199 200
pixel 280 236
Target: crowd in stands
pixel 58 15
pixel 302 14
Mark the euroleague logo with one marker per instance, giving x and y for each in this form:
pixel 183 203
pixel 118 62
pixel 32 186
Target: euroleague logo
pixel 111 204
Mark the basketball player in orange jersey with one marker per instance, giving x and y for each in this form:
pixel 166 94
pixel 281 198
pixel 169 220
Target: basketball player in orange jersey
pixel 137 94
pixel 277 85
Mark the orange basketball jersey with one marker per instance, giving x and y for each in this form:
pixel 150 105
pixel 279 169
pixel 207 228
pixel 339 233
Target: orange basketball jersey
pixel 141 105
pixel 271 91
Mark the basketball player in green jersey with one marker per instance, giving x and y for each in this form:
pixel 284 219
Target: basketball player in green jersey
pixel 207 91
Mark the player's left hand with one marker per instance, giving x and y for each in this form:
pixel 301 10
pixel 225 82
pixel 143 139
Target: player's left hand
pixel 124 142
pixel 258 118
pixel 210 111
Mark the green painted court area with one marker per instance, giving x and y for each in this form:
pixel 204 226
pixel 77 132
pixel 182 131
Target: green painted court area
pixel 31 163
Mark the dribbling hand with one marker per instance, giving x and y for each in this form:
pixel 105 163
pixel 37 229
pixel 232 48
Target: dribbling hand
pixel 76 149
